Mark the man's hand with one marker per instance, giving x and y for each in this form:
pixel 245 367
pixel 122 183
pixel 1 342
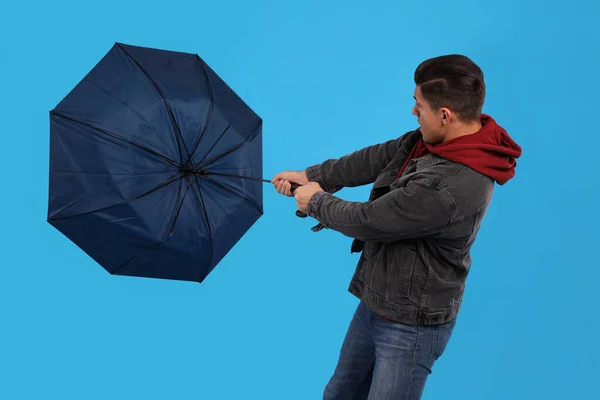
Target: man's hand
pixel 282 180
pixel 304 193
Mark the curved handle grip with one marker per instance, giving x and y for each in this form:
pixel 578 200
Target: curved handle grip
pixel 299 213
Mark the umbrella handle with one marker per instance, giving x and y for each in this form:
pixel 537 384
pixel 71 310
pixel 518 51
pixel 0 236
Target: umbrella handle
pixel 299 213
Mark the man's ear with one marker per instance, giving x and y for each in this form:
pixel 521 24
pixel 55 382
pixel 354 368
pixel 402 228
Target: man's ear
pixel 446 115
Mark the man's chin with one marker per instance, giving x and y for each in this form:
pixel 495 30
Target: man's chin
pixel 430 141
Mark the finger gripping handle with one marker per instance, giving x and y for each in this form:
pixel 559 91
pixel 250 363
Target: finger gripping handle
pixel 299 213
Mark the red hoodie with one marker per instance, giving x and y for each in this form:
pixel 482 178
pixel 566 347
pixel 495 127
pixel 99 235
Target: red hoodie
pixel 489 151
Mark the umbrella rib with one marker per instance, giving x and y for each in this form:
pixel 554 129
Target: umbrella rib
pixel 180 206
pixel 219 156
pixel 167 182
pixel 210 113
pixel 122 139
pixel 215 143
pixel 154 247
pixel 198 194
pixel 176 128
pixel 148 249
pixel 233 191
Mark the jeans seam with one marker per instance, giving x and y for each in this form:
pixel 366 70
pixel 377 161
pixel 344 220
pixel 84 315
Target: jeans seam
pixel 433 347
pixel 414 359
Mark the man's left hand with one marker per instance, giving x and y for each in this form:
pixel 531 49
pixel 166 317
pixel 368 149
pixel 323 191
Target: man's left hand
pixel 304 193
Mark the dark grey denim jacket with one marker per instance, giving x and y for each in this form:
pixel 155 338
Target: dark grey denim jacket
pixel 415 233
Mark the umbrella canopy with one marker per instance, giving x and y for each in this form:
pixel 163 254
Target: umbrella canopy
pixel 155 165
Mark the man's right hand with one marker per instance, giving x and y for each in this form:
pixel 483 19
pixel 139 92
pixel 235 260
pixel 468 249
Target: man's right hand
pixel 283 181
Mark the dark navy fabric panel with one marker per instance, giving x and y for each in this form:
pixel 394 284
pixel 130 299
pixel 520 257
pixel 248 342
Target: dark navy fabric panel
pixel 229 215
pixel 186 253
pixel 118 234
pixel 242 122
pixel 246 160
pixel 117 97
pixel 91 170
pixel 181 80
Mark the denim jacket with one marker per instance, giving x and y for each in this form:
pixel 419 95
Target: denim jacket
pixel 415 232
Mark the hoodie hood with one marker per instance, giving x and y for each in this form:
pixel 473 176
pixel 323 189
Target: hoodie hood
pixel 489 151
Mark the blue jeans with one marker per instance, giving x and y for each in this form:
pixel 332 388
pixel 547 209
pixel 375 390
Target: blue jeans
pixel 381 359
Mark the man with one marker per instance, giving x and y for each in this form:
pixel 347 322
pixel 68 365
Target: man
pixel 431 190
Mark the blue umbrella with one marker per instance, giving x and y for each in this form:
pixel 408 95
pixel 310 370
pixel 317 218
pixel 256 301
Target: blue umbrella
pixel 155 165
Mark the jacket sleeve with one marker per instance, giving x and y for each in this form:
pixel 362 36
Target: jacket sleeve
pixel 417 210
pixel 358 168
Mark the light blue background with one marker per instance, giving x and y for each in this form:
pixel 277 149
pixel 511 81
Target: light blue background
pixel 327 78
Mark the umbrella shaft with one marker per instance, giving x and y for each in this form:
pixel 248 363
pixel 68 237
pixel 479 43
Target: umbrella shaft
pixel 205 172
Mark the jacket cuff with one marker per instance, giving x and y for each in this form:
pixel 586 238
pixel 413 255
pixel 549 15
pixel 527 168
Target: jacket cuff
pixel 314 174
pixel 313 205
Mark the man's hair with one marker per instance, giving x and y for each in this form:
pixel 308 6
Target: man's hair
pixel 453 81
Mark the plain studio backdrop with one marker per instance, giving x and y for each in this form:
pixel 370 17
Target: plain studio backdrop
pixel 327 78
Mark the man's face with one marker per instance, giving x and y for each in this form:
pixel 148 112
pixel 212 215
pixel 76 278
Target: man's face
pixel 429 121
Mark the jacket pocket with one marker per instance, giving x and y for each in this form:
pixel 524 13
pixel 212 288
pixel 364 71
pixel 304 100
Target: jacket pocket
pixel 406 274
